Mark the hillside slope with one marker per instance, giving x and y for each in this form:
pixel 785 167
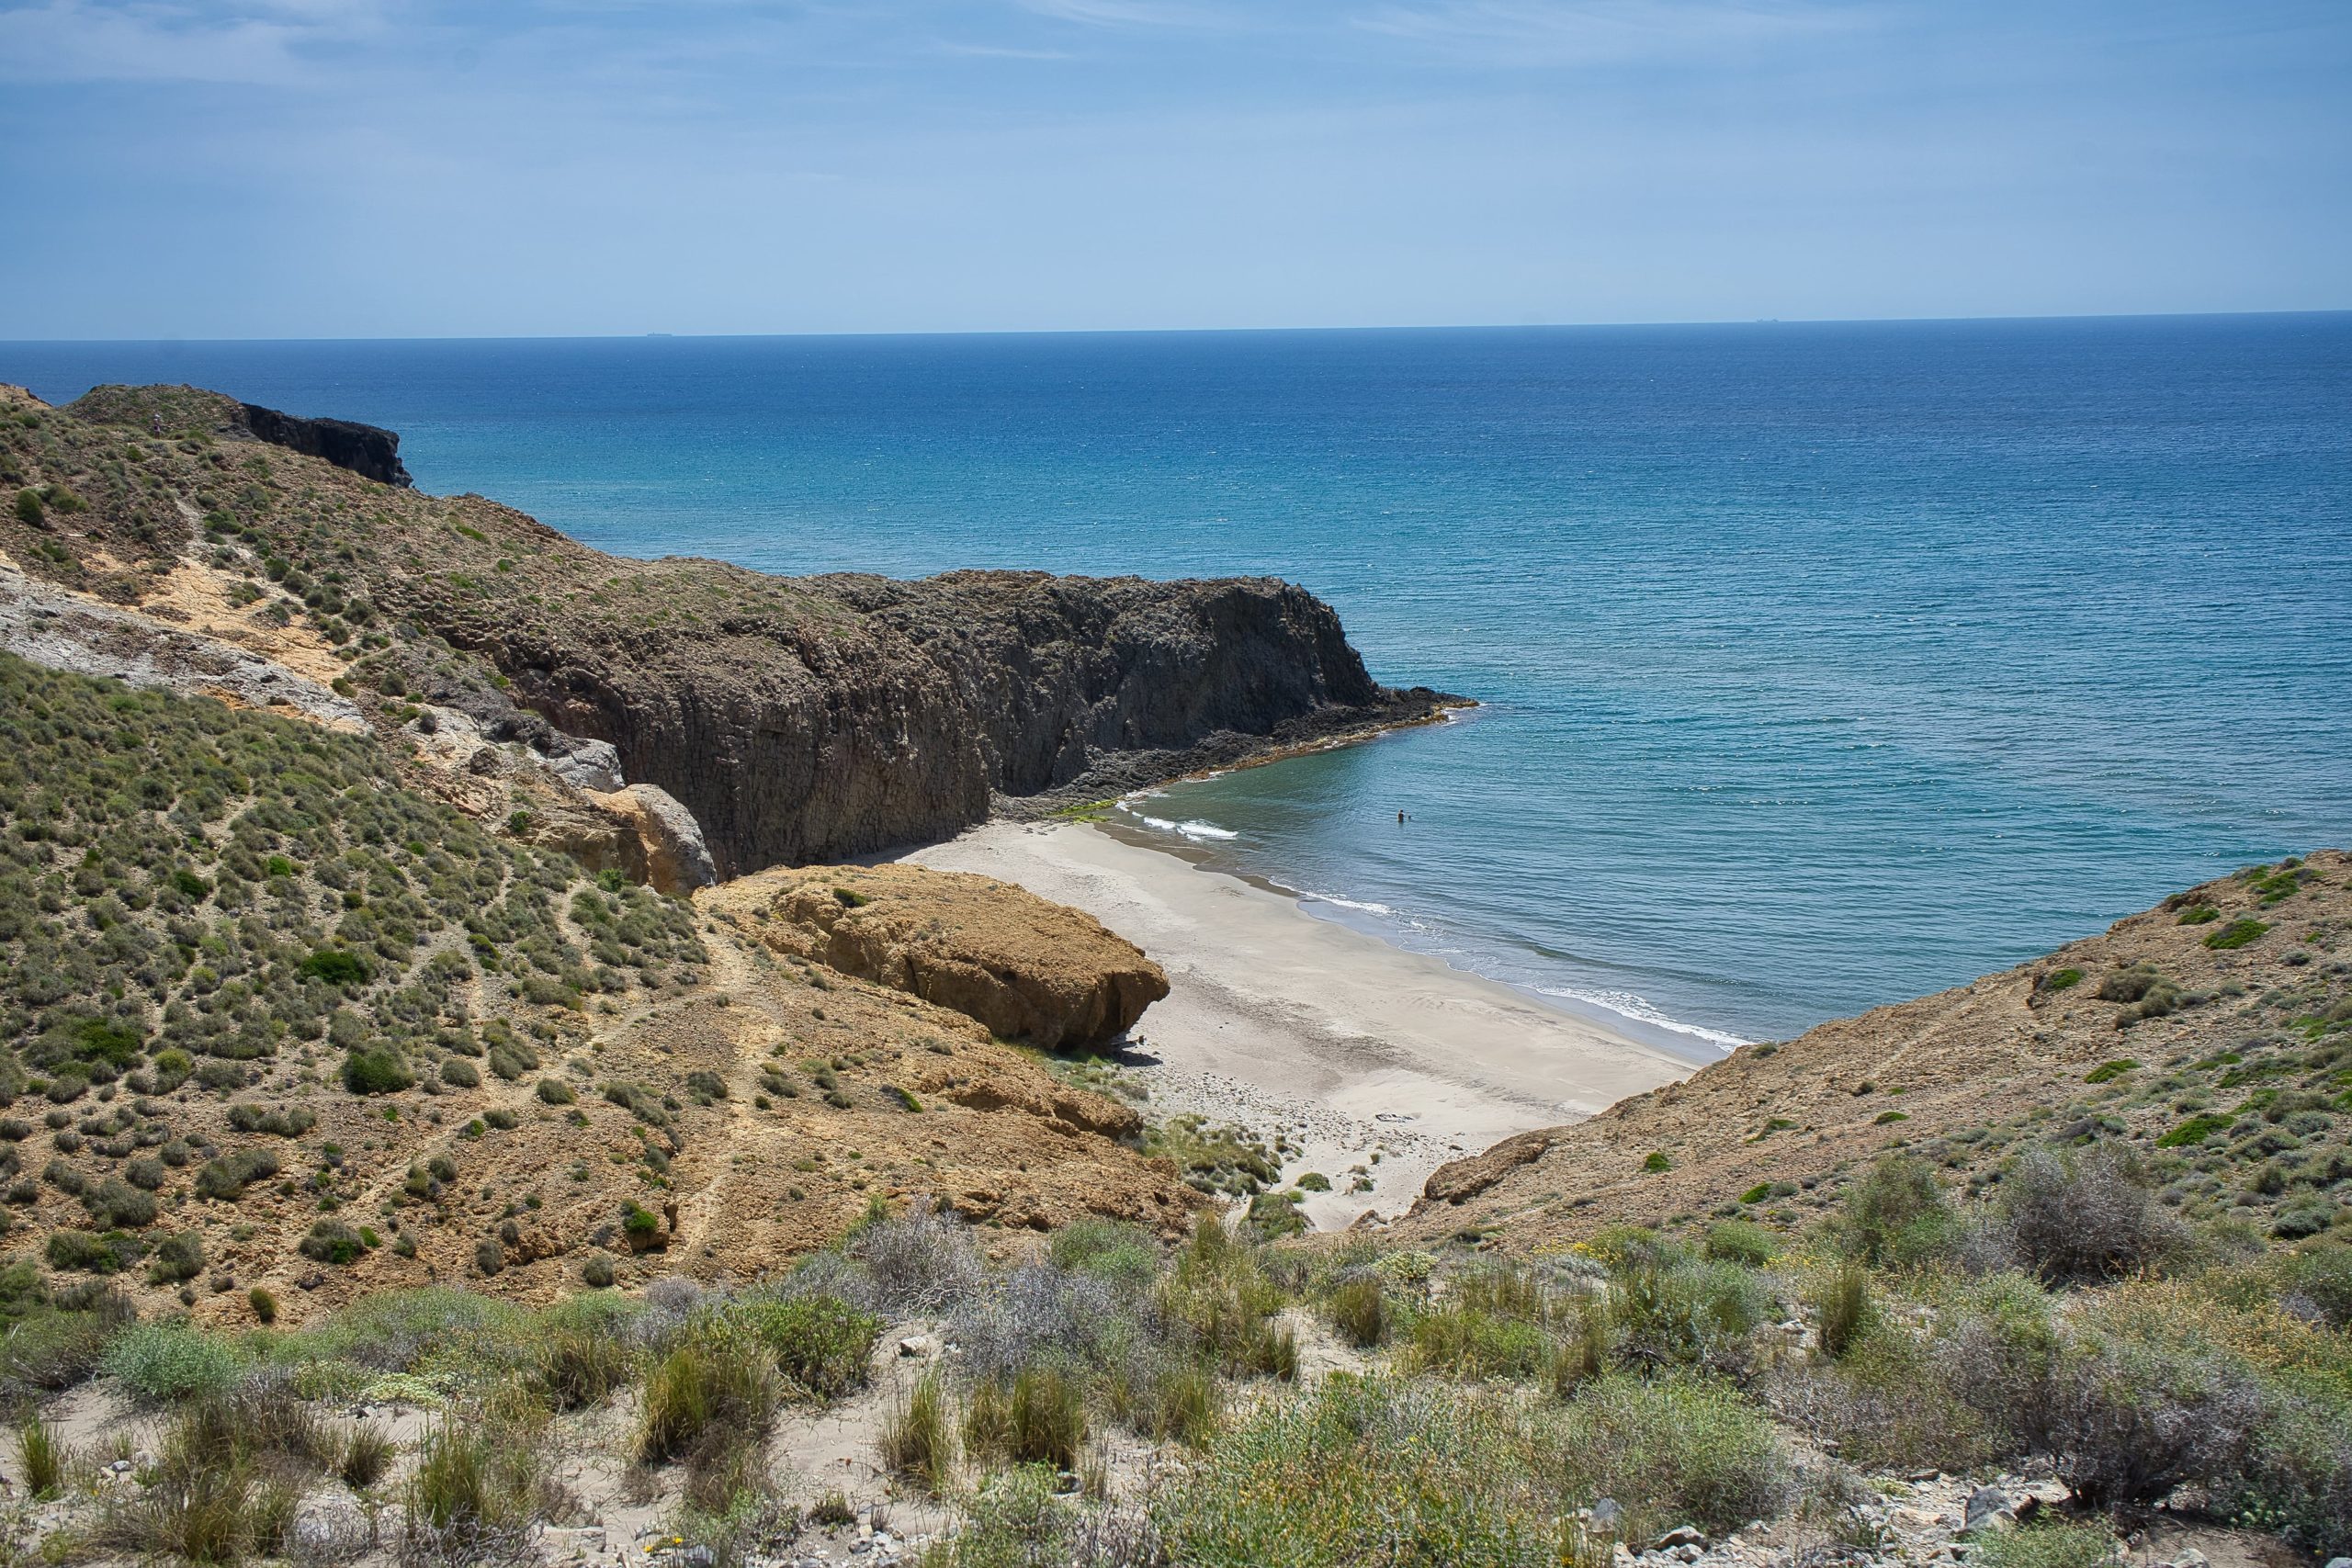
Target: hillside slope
pixel 2212 1036
pixel 269 1017
pixel 797 719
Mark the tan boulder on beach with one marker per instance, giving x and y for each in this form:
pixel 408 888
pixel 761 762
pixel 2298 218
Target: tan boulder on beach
pixel 1030 970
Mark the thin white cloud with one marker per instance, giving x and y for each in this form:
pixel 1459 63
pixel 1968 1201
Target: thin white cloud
pixel 1131 13
pixel 1592 32
pixel 998 51
pixel 258 42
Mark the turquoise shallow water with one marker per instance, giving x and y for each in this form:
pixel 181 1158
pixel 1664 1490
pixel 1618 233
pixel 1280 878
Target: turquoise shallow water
pixel 1824 665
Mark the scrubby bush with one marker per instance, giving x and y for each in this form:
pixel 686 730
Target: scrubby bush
pixel 2050 1543
pixel 2127 1422
pixel 1674 1450
pixel 1349 1474
pixel 171 1361
pixel 922 1261
pixel 51 1349
pixel 225 1179
pixel 332 1241
pixel 2086 1217
pixel 377 1071
pixel 1739 1241
pixel 1670 1311
pixel 820 1342
pixel 1898 1213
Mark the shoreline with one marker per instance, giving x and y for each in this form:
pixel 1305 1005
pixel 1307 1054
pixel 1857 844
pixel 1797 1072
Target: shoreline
pixel 1357 1053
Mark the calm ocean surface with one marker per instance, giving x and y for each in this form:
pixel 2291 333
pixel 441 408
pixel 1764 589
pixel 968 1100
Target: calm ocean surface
pixel 1824 665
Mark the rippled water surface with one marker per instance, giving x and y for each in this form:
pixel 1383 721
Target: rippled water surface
pixel 1823 665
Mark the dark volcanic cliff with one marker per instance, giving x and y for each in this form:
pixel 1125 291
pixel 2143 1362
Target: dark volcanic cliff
pixel 799 719
pixel 898 715
pixel 368 450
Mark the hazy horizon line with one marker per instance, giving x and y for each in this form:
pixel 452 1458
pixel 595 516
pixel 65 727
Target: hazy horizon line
pixel 1237 330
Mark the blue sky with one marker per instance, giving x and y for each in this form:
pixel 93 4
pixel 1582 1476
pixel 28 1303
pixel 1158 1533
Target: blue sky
pixel 261 168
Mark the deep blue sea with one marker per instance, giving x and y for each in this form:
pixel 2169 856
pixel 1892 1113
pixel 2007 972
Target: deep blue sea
pixel 1823 665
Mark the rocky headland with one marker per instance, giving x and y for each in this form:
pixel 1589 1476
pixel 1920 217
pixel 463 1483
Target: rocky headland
pixel 446 1117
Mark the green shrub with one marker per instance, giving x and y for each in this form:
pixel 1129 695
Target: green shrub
pixel 1897 1213
pixel 1672 1451
pixel 555 1091
pixel 1682 1312
pixel 1369 1471
pixel 177 1258
pixel 171 1361
pixel 377 1071
pixel 820 1342
pixel 2237 933
pixel 335 966
pixel 74 1249
pixel 461 1073
pixel 332 1241
pixel 1739 1241
pixel 265 1306
pixel 2194 1131
pixel 1109 1249
pixel 1469 1340
pixel 2050 1543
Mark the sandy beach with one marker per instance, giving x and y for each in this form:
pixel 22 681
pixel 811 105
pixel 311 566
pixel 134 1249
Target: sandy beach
pixel 1368 1060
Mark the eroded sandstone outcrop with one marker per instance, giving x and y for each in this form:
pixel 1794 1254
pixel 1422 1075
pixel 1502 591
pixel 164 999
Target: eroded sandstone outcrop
pixel 1029 970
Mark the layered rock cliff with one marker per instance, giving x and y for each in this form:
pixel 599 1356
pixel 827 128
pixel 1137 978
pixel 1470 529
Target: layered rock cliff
pixel 796 719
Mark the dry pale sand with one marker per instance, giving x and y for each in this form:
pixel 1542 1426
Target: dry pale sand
pixel 1370 1062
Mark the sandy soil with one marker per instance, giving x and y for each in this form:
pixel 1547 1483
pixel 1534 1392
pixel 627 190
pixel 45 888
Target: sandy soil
pixel 1356 1052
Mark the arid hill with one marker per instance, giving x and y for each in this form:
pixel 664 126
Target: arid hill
pixel 269 1018
pixel 2212 1036
pixel 796 719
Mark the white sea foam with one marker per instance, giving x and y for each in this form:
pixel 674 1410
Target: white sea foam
pixel 1366 906
pixel 1639 1008
pixel 1192 830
